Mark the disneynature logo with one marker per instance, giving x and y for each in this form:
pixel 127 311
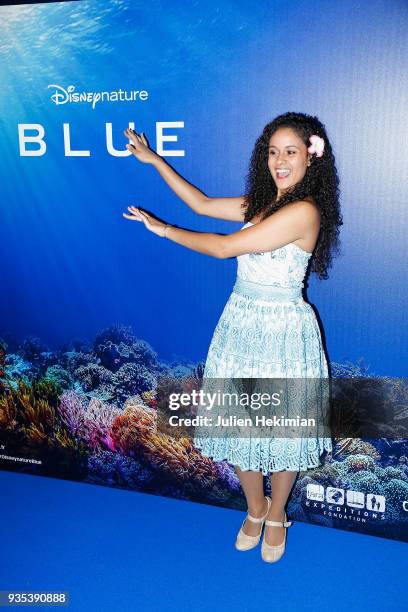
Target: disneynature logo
pixel 61 95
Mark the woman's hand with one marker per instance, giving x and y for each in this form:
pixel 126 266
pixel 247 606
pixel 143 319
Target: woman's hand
pixel 152 224
pixel 140 147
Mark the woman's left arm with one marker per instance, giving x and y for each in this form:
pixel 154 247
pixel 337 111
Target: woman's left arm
pixel 288 224
pixel 292 222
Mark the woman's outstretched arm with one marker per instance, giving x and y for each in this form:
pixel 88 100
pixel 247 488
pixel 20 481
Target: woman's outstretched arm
pixel 294 221
pixel 230 209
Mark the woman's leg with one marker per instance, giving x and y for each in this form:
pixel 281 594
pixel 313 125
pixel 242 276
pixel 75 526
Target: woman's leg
pixel 252 485
pixel 281 486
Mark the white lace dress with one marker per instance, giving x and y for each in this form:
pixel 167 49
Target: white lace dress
pixel 267 330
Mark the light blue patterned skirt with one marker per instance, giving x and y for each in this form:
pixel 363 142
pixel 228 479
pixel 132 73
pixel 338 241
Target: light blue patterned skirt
pixel 266 331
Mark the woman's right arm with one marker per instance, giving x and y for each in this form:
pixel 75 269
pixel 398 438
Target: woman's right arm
pixel 230 209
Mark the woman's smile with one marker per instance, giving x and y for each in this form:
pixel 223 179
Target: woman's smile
pixel 282 173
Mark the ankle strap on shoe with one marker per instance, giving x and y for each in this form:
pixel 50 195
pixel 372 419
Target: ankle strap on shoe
pixel 253 519
pixel 278 523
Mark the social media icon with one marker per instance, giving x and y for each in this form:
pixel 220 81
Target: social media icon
pixel 375 502
pixel 355 499
pixel 315 492
pixel 334 495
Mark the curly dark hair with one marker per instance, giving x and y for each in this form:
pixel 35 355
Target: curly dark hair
pixel 320 182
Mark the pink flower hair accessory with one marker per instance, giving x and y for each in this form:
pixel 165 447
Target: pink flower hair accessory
pixel 317 145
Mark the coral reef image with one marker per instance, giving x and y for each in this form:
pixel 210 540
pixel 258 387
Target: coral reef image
pixel 89 412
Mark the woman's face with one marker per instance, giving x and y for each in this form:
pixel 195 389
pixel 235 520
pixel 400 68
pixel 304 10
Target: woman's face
pixel 287 158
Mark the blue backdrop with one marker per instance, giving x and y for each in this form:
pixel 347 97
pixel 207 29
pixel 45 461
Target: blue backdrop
pixel 210 77
pixel 72 264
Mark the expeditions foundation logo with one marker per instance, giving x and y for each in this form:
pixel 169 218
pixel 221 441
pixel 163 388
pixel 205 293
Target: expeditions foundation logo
pixel 68 95
pixel 347 505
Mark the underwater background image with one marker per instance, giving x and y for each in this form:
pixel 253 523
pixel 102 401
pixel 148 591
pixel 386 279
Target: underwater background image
pixel 96 310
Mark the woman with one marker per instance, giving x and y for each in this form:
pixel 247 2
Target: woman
pixel 292 218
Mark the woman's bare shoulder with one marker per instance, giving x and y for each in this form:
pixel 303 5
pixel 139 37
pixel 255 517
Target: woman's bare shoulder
pixel 311 223
pixel 312 201
pixel 307 207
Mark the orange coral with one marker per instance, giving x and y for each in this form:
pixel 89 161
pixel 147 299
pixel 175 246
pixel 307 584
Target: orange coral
pixel 8 412
pixel 29 410
pixel 135 433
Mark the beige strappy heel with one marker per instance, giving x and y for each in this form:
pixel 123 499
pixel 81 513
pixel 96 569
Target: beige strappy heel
pixel 246 542
pixel 270 554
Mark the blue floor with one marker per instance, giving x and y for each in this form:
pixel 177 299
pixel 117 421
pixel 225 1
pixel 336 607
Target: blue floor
pixel 119 551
